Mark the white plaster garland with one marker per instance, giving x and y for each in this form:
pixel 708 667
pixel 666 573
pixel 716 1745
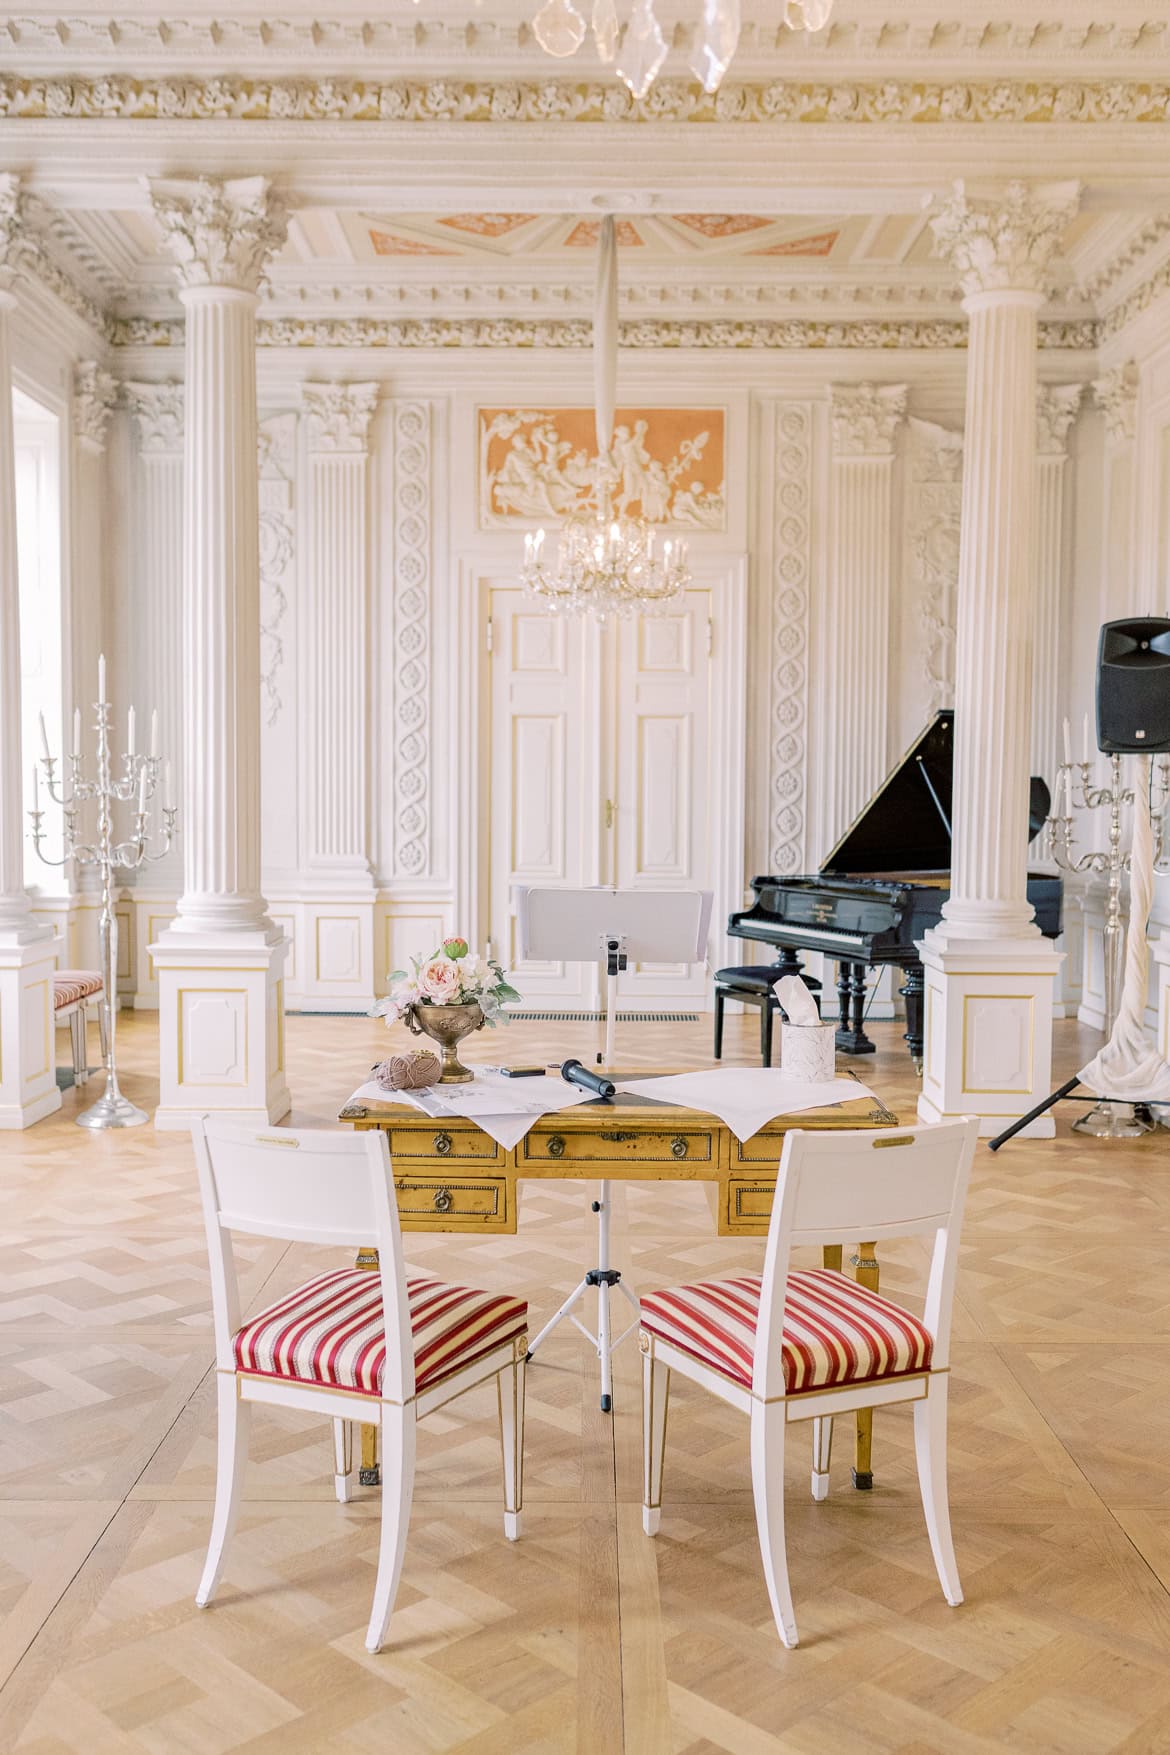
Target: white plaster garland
pixel 412 616
pixel 339 415
pixel 157 412
pixel 1006 242
pixel 1057 406
pixel 276 460
pixel 219 234
pixel 1115 393
pixel 933 521
pixel 95 392
pixel 227 98
pixel 866 417
pixel 13 236
pixel 791 563
pixel 783 335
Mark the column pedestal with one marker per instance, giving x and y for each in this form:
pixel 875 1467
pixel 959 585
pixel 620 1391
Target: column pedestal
pixel 221 1028
pixel 28 1079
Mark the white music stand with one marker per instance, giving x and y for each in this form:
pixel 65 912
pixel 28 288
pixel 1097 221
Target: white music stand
pixel 577 926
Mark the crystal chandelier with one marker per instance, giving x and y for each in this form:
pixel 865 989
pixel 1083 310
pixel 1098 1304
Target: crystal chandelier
pixel 560 30
pixel 606 562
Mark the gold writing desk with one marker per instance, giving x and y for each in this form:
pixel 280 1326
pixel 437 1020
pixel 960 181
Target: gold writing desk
pixel 451 1176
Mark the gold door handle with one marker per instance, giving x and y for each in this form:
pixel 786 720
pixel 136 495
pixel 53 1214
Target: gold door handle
pixel 610 812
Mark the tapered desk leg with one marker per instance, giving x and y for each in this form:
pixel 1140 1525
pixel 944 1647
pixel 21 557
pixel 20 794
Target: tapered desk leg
pixel 865 1272
pixel 369 1473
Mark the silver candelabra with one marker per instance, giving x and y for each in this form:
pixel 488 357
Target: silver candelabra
pixel 1074 782
pixel 136 783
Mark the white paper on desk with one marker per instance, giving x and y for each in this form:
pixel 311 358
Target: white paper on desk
pixel 746 1097
pixel 504 1108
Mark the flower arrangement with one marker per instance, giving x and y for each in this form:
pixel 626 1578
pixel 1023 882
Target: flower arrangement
pixel 449 976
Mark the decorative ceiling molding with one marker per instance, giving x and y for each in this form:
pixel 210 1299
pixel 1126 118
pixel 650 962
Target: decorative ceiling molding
pixel 1128 310
pixel 785 335
pixel 231 98
pixel 1142 241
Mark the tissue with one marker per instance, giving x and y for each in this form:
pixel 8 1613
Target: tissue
pixel 796 1002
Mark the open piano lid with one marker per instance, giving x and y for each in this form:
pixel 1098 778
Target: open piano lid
pixel 906 826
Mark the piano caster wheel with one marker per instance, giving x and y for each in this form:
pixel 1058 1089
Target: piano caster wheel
pixel 607 1404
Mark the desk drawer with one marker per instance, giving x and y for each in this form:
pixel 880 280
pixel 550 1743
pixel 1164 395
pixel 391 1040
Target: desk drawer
pixel 444 1144
pixel 619 1145
pixel 430 1202
pixel 763 1148
pixel 749 1206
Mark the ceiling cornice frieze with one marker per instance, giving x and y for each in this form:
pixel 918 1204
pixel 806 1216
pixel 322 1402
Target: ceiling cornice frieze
pixel 791 334
pixel 1129 309
pixel 230 98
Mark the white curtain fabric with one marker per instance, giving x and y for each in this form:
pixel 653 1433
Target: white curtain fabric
pixel 605 337
pixel 1129 1066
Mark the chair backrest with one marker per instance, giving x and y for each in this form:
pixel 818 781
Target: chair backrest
pixel 305 1186
pixel 866 1185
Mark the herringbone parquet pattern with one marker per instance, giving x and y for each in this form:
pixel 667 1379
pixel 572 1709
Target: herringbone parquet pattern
pixel 584 1635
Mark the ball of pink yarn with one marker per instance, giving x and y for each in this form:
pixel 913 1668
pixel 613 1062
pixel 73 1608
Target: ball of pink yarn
pixel 408 1072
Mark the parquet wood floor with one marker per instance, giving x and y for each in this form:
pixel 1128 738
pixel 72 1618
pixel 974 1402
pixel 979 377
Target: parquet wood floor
pixel 584 1636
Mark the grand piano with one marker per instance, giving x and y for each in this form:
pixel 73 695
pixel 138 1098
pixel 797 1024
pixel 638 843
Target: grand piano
pixel 882 886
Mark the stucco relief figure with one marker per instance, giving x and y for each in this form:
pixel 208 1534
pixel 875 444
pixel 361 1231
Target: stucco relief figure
pixel 667 464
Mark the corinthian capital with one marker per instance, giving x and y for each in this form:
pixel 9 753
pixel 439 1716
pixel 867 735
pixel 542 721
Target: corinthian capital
pixel 158 416
pixel 94 395
pixel 1116 395
pixel 1005 245
pixel 338 415
pixel 1056 409
pixel 219 233
pixel 865 418
pixel 13 239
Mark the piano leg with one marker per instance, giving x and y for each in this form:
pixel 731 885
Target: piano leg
pixel 913 992
pixel 851 1037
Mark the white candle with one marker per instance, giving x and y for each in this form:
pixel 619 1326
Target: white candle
pixel 77 731
pixel 102 677
pixel 1067 745
pixel 1068 804
pixel 168 796
pixel 142 790
pixel 153 733
pixel 130 732
pixel 44 736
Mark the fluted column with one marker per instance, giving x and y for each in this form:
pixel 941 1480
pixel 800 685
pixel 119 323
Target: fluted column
pixel 1116 393
pixel 1056 410
pixel 852 627
pixel 28 1087
pixel 989 975
pixel 222 1048
pixel 335 655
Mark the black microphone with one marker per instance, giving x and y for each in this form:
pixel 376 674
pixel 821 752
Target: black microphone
pixel 576 1074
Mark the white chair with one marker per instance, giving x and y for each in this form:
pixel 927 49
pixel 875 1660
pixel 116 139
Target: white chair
pixel 809 1344
pixel 385 1348
pixel 74 991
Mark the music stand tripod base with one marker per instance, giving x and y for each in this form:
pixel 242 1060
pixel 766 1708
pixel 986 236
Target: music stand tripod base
pixel 606 1279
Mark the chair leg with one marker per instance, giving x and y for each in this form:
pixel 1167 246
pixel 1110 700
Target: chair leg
pixel 235 1419
pixel 719 1002
pixel 930 1447
pixel 343 1460
pixel 822 1451
pixel 398 1444
pixel 510 1386
pixel 77 1040
pixel 767 1442
pixel 655 1395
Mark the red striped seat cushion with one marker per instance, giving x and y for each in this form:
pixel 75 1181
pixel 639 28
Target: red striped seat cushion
pixel 834 1330
pixel 70 985
pixel 329 1331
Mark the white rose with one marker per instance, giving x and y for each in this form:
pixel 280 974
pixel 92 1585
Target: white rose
pixel 438 981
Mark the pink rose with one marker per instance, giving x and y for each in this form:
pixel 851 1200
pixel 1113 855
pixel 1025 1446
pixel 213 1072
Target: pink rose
pixel 438 981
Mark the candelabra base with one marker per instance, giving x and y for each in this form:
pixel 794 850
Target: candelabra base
pixel 112 1110
pixel 1114 1121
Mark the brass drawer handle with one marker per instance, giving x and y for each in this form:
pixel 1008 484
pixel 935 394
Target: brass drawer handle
pixel 556 1146
pixel 442 1143
pixel 443 1201
pixel 678 1146
pixel 619 1136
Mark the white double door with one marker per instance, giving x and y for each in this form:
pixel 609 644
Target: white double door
pixel 603 770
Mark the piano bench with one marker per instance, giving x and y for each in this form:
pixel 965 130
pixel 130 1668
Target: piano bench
pixel 752 984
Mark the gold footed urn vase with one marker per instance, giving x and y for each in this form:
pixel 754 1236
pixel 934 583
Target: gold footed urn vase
pixel 447 1025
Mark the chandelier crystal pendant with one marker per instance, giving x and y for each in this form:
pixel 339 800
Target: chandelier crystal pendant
pixel 605 562
pixel 560 30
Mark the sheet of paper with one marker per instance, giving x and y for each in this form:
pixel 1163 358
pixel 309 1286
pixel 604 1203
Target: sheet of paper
pixel 746 1097
pixel 504 1108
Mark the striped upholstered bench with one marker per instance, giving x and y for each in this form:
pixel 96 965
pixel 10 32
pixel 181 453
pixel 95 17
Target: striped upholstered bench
pixel 72 991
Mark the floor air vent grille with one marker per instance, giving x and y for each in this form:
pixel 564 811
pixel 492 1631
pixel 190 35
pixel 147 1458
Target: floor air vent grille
pixel 599 1017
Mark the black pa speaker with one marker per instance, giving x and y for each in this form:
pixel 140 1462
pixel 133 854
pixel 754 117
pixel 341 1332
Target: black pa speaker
pixel 1133 687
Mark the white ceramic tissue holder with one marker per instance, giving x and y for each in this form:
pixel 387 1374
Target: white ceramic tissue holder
pixel 807 1047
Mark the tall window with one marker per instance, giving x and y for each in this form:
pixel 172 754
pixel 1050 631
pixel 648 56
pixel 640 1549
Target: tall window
pixel 38 543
